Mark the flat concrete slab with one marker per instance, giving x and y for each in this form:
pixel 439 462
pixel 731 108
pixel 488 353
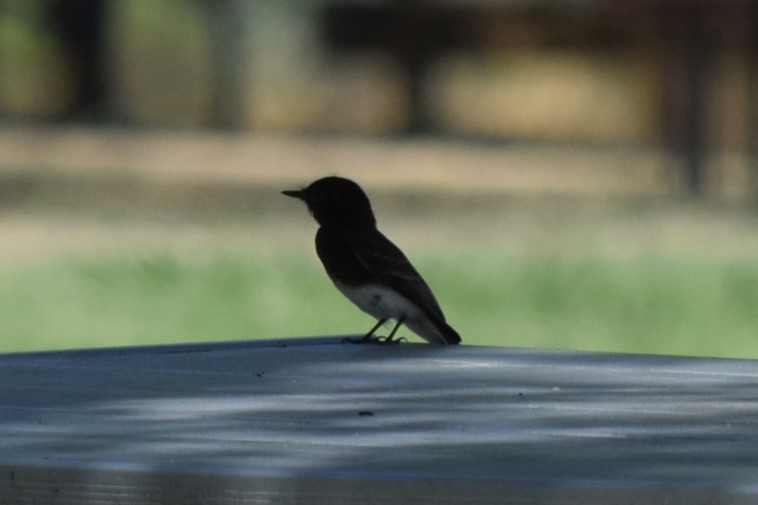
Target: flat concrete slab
pixel 317 421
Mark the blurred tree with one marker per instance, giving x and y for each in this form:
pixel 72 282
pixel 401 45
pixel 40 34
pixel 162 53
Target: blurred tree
pixel 414 32
pixel 35 81
pixel 80 28
pixel 161 63
pixel 227 34
pixel 752 129
pixel 685 83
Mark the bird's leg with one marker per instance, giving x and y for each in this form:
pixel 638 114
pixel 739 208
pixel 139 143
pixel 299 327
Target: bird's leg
pixel 389 338
pixel 365 339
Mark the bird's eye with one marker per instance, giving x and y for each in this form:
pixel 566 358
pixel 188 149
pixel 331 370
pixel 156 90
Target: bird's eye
pixel 316 196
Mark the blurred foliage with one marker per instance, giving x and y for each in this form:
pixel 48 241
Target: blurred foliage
pixel 36 81
pixel 161 62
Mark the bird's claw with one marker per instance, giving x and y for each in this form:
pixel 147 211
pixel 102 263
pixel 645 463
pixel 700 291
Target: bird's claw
pixel 389 340
pixel 370 339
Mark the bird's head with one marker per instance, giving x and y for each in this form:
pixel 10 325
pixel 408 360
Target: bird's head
pixel 336 201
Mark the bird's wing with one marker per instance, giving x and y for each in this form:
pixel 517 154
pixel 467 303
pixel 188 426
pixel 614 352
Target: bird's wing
pixel 390 266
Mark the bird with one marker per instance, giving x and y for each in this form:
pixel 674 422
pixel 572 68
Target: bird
pixel 367 267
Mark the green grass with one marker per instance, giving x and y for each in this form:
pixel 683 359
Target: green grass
pixel 641 305
pixel 648 304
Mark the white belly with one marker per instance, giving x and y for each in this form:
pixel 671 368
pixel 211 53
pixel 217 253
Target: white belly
pixel 383 303
pixel 380 302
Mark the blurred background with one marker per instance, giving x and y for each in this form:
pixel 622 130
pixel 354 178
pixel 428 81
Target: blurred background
pixel 568 174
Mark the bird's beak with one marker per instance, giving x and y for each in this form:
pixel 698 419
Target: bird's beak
pixel 294 193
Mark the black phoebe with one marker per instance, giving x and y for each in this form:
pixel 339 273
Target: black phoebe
pixel 366 267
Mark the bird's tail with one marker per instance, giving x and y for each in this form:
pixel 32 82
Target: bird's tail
pixel 433 330
pixel 449 334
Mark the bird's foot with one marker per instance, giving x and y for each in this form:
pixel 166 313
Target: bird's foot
pixel 389 340
pixel 371 339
